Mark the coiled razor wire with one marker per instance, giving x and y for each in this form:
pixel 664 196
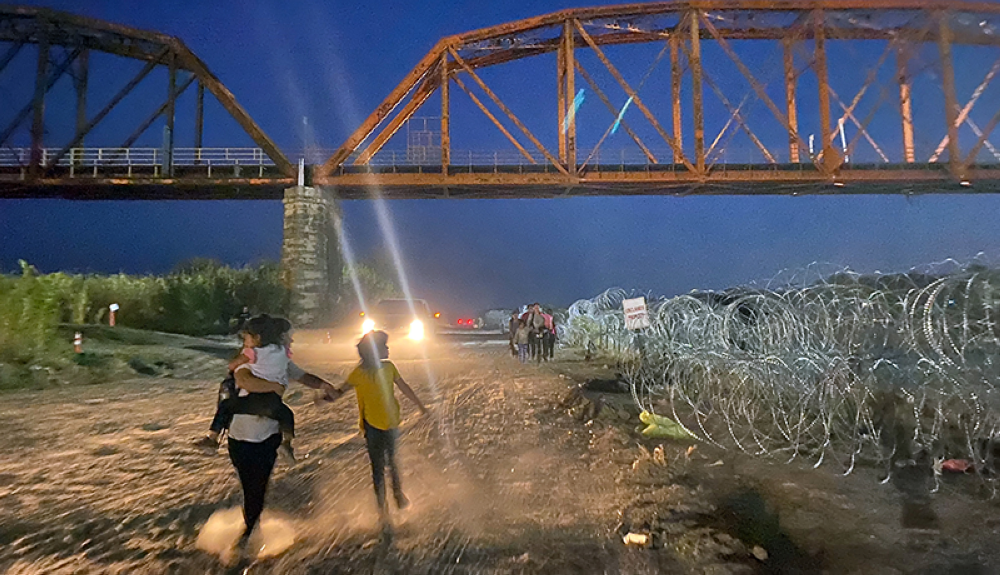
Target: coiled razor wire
pixel 831 367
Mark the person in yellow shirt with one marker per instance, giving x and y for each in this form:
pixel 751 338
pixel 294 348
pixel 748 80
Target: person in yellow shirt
pixel 379 415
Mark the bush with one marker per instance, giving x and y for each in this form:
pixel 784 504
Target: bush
pixel 29 316
pixel 198 298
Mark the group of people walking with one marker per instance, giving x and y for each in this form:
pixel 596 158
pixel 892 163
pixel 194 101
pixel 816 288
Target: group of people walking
pixel 259 423
pixel 532 334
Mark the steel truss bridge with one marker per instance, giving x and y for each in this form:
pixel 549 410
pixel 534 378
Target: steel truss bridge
pixel 908 124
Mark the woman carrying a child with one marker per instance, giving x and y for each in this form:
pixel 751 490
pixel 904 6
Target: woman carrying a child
pixel 259 422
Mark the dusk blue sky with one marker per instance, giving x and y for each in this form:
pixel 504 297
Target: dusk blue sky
pixel 333 62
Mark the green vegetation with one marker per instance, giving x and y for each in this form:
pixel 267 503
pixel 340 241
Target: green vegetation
pixel 39 313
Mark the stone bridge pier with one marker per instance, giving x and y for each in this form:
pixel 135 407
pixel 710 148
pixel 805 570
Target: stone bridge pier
pixel 311 262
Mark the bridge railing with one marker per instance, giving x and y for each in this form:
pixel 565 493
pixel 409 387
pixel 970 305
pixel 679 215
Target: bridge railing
pixel 592 160
pixel 607 160
pixel 216 163
pixel 17 157
pixel 243 162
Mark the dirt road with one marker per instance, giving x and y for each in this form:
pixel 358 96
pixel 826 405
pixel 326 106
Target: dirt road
pixel 506 478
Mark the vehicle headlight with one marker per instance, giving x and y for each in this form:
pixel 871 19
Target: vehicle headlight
pixel 416 330
pixel 367 326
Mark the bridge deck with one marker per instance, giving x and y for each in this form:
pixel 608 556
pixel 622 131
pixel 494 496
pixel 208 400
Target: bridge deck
pixel 248 173
pixel 509 181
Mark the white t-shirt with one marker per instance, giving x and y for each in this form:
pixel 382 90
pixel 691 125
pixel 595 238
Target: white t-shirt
pixel 254 428
pixel 269 362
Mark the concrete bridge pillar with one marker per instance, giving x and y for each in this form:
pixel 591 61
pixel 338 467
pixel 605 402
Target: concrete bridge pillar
pixel 311 263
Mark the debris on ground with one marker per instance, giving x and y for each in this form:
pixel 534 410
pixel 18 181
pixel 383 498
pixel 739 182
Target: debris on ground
pixel 957 465
pixel 637 540
pixel 659 426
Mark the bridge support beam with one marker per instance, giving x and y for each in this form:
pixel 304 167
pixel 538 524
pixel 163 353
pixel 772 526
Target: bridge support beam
pixel 311 263
pixel 793 113
pixel 905 102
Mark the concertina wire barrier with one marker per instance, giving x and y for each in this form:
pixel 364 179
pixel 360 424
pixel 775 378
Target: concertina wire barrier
pixel 831 367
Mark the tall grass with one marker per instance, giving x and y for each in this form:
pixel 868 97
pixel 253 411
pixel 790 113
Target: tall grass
pixel 200 297
pixel 29 315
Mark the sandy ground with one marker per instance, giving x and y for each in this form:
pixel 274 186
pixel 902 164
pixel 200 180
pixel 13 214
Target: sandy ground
pixel 507 477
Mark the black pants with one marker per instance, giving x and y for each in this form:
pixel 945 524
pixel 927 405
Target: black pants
pixel 382 452
pixel 263 404
pixel 535 345
pixel 254 463
pixel 548 345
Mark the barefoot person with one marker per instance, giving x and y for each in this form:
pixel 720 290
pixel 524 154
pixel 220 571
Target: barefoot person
pixel 379 415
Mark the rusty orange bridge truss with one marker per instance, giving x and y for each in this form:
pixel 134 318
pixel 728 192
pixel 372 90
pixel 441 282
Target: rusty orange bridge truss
pixel 702 97
pixel 766 73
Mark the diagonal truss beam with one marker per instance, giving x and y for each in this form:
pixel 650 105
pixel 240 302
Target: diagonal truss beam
pixel 156 114
pixel 971 157
pixel 614 112
pixel 366 128
pixel 868 83
pixel 110 106
pixel 186 59
pixel 635 97
pixel 978 132
pixel 863 126
pixel 729 122
pixel 496 122
pixel 417 98
pixel 489 93
pixel 963 115
pixel 848 111
pixel 734 116
pixel 761 93
pixel 10 55
pixel 50 81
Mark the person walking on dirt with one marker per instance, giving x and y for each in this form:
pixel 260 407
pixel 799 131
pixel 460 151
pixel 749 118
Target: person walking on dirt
pixel 254 439
pixel 549 340
pixel 379 415
pixel 536 325
pixel 522 337
pixel 512 325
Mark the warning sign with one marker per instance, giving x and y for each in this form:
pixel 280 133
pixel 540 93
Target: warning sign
pixel 635 313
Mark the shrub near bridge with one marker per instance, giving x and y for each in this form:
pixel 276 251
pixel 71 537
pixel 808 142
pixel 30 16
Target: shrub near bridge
pixel 29 316
pixel 200 297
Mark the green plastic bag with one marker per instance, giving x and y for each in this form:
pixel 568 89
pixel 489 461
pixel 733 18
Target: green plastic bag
pixel 661 427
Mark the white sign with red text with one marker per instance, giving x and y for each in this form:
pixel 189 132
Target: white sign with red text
pixel 635 313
